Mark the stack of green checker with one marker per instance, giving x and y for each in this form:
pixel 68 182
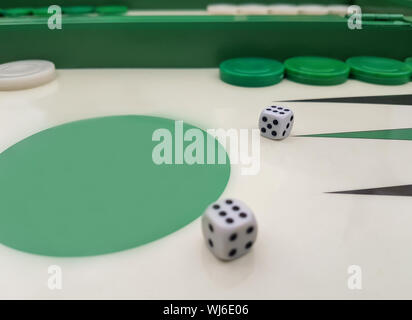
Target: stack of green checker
pixel 70 10
pixel 41 12
pixel 17 12
pixel 78 10
pixel 408 61
pixel 379 70
pixel 111 10
pixel 313 70
pixel 251 72
pixel 316 70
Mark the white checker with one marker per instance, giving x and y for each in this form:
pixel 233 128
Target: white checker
pixel 26 74
pixel 313 9
pixel 283 9
pixel 253 9
pixel 222 9
pixel 340 10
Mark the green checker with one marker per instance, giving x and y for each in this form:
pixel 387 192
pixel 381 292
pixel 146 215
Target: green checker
pixel 316 70
pixel 110 10
pixel 408 61
pixel 102 185
pixel 17 12
pixel 379 70
pixel 41 12
pixel 251 72
pixel 78 10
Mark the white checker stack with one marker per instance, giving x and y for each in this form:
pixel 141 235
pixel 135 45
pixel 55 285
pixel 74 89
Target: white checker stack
pixel 312 9
pixel 340 10
pixel 222 9
pixel 253 9
pixel 283 9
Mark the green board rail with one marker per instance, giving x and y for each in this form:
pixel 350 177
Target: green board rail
pixel 196 41
pixel 380 6
pixel 151 4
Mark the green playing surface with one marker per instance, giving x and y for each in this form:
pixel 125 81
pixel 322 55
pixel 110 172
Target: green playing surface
pixel 91 187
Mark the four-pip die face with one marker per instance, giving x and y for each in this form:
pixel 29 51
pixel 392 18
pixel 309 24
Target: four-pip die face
pixel 276 122
pixel 229 228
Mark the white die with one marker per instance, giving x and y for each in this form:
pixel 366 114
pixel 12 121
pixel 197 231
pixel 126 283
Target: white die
pixel 276 122
pixel 229 228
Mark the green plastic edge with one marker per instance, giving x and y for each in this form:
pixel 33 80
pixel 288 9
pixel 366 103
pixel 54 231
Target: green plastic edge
pixel 380 80
pixel 319 81
pixel 381 77
pixel 249 82
pixel 113 9
pixel 408 62
pixel 21 12
pixel 78 10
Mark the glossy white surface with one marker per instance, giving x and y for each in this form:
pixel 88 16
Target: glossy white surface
pixel 307 238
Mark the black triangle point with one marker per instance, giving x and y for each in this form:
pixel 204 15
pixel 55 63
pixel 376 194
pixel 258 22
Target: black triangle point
pixel 400 99
pixel 403 190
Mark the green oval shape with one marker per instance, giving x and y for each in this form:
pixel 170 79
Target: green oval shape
pixel 251 72
pixel 379 70
pixel 78 10
pixel 91 187
pixel 41 12
pixel 408 61
pixel 17 12
pixel 316 70
pixel 111 9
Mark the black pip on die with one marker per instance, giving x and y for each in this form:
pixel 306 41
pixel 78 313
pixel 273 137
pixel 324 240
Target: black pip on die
pixel 229 228
pixel 276 122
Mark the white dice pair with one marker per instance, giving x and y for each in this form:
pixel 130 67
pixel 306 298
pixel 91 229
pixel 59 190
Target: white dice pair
pixel 229 228
pixel 276 122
